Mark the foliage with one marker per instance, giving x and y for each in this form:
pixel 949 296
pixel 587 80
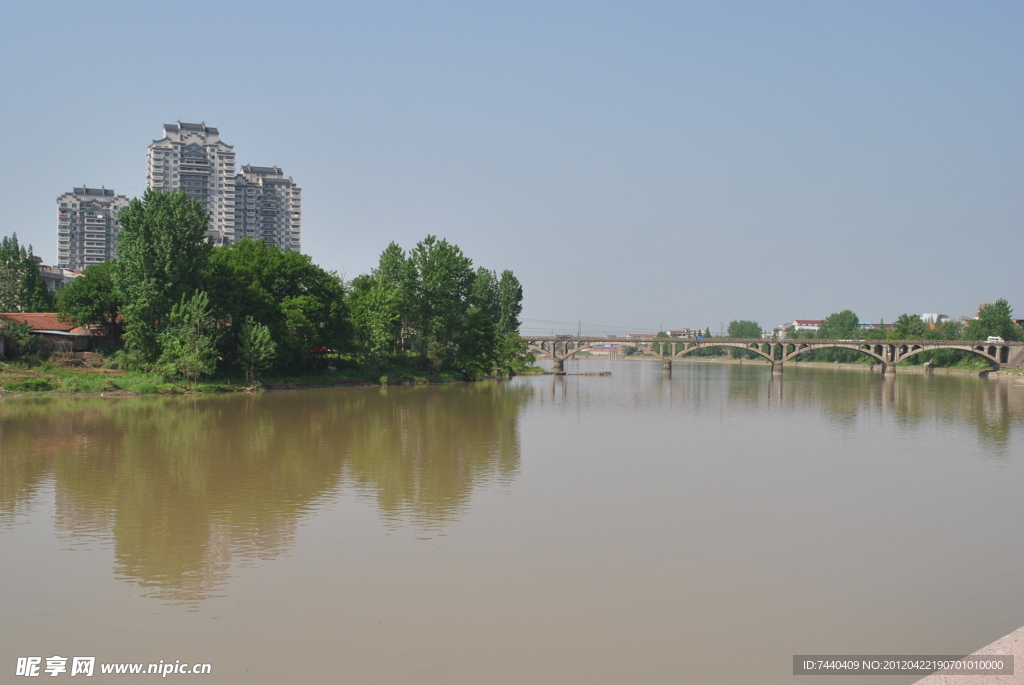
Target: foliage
pixel 510 304
pixel 909 327
pixel 188 348
pixel 90 300
pixel 9 289
pixel 22 288
pixel 302 305
pixel 257 348
pixel 839 326
pixel 744 329
pixel 376 308
pixel 21 342
pixel 442 277
pixel 162 255
pixel 994 319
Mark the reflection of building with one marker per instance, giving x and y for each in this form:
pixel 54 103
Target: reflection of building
pixel 87 226
pixel 268 207
pixel 193 158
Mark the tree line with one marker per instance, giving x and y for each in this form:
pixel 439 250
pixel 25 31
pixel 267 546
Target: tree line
pixel 187 308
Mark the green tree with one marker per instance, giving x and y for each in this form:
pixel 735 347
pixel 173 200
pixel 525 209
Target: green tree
pixel 744 329
pixel 442 276
pixel 90 300
pixel 22 268
pixel 839 326
pixel 376 315
pixel 510 303
pixel 162 255
pixel 302 305
pixel 188 347
pixel 994 319
pixel 909 327
pixel 256 348
pixel 9 289
pixel 21 341
pixel 483 293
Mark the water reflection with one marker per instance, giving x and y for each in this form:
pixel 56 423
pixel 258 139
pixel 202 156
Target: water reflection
pixel 186 487
pixel 842 398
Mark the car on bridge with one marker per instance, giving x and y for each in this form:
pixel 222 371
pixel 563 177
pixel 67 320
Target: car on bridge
pixel 995 339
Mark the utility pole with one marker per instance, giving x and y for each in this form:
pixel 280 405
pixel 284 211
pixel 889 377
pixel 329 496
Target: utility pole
pixel 579 328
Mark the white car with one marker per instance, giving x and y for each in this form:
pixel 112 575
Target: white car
pixel 995 339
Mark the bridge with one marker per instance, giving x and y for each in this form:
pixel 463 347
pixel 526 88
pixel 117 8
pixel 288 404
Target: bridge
pixel 888 353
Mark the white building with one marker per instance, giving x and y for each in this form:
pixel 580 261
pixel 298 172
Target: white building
pixel 87 226
pixel 193 158
pixel 268 207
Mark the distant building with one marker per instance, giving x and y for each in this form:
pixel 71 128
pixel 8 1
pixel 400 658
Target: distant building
pixel 55 277
pixel 268 207
pixel 259 203
pixel 87 226
pixel 805 325
pixel 935 318
pixel 683 333
pixel 193 158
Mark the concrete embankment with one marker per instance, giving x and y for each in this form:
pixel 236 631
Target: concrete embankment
pixel 1011 644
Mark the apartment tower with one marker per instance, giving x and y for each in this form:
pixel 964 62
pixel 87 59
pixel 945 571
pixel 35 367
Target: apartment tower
pixel 193 158
pixel 87 226
pixel 268 207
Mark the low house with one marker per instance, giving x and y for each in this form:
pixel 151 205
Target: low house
pixel 56 334
pixel 806 325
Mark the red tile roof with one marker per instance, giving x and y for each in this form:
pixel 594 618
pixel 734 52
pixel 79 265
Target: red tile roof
pixel 42 321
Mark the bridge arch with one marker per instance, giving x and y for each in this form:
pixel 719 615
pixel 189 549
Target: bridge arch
pixel 866 348
pixel 750 347
pixel 983 351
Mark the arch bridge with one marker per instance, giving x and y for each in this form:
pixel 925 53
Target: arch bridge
pixel 888 353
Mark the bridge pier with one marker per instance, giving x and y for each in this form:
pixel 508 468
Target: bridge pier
pixel 776 368
pixel 666 368
pixel 559 368
pixel 889 368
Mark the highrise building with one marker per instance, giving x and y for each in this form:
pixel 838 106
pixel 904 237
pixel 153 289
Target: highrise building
pixel 193 158
pixel 268 207
pixel 87 226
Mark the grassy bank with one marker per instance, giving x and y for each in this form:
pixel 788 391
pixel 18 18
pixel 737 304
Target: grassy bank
pixel 92 377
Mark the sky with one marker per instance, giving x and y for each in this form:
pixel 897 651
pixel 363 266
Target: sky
pixel 637 165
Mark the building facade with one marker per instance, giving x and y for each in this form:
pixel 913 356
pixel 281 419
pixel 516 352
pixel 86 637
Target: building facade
pixel 193 158
pixel 87 226
pixel 268 207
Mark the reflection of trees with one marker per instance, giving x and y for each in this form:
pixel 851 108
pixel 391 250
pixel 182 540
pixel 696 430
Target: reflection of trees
pixel 991 408
pixel 187 486
pixel 422 450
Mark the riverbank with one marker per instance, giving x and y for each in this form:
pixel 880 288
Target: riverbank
pixel 51 379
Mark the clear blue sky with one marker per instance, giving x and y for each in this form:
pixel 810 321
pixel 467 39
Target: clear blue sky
pixel 635 164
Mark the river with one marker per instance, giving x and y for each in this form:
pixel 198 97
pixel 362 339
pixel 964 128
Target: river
pixel 582 529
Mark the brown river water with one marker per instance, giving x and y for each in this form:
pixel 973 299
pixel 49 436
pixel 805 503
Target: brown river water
pixel 702 528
